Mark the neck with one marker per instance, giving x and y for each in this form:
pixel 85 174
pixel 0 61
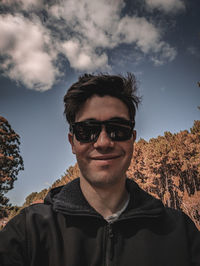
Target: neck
pixel 105 200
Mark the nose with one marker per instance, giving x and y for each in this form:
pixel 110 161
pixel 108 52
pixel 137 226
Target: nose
pixel 103 140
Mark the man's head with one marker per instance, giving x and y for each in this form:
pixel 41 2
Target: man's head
pixel 123 88
pixel 101 111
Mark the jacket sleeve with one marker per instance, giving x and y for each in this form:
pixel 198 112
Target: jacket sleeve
pixel 13 242
pixel 194 241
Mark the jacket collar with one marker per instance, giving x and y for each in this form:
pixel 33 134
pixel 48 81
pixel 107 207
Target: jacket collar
pixel 70 200
pixel 141 203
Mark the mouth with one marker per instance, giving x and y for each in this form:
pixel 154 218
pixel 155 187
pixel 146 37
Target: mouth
pixel 105 157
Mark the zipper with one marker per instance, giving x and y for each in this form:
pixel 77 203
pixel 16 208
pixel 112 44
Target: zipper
pixel 109 244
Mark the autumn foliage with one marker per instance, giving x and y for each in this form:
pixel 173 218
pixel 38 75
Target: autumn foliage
pixel 168 167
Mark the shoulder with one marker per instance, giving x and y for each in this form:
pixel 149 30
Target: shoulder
pixel 181 219
pixel 166 217
pixel 38 213
pixel 29 215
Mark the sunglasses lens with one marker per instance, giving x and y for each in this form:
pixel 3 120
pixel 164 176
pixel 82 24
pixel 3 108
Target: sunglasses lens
pixel 119 132
pixel 86 133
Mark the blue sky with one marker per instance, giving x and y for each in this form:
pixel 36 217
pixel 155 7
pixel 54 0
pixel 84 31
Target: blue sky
pixel 46 45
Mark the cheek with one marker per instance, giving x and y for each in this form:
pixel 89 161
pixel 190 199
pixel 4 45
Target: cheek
pixel 128 146
pixel 80 150
pixel 129 150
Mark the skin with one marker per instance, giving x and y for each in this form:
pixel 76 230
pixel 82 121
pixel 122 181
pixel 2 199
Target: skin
pixel 103 164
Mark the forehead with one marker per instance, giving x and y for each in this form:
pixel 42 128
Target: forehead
pixel 102 108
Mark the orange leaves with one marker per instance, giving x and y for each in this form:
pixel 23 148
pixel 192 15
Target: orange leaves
pixel 168 167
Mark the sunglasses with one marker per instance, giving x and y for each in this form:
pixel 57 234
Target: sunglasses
pixel 89 130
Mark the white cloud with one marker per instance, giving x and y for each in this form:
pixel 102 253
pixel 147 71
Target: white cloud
pixel 99 24
pixel 83 31
pixel 166 5
pixel 138 31
pixel 94 21
pixel 83 58
pixel 28 58
pixel 164 52
pixel 31 4
pixel 24 4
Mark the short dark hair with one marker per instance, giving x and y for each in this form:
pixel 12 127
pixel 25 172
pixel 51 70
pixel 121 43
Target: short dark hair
pixel 121 87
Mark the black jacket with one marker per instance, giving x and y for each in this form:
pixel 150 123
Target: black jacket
pixel 67 231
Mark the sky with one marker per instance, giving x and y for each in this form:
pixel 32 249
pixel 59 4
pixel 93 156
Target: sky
pixel 46 45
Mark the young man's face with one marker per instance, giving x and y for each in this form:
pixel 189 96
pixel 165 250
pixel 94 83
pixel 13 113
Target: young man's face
pixel 104 162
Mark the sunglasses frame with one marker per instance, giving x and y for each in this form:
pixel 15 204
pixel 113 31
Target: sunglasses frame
pixel 113 121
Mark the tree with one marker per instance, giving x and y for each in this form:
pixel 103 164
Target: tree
pixel 168 167
pixel 30 198
pixel 196 127
pixel 11 161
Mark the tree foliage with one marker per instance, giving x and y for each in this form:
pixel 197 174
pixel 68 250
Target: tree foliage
pixel 196 127
pixel 11 161
pixel 168 167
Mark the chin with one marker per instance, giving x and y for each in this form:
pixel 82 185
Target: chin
pixel 102 180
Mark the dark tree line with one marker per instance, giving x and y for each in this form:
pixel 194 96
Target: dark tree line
pixel 11 161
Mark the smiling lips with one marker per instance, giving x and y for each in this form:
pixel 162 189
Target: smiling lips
pixel 105 157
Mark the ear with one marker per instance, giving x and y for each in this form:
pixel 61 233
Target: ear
pixel 71 141
pixel 134 135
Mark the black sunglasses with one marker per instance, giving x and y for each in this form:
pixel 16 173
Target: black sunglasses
pixel 118 129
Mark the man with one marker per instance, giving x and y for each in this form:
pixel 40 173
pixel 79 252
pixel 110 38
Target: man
pixel 101 218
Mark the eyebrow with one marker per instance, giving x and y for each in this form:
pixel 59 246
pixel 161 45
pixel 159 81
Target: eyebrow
pixel 115 118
